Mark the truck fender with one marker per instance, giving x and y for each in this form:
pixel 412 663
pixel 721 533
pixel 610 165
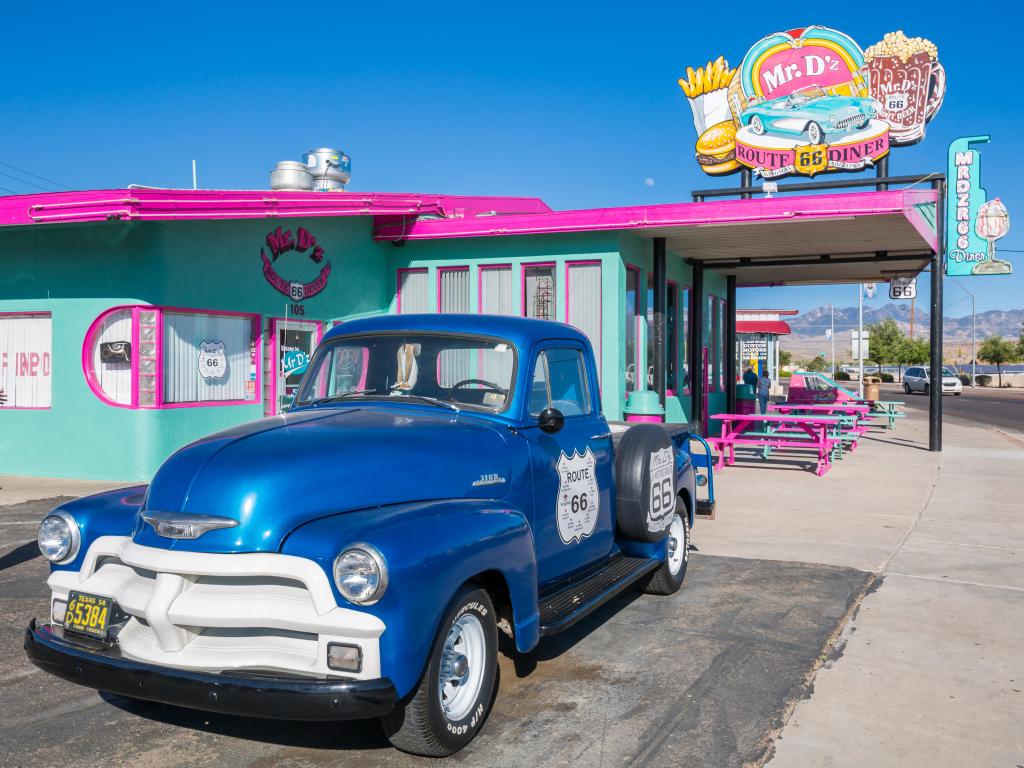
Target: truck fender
pixel 112 513
pixel 431 549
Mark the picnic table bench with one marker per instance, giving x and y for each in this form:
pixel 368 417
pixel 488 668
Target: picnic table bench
pixel 781 431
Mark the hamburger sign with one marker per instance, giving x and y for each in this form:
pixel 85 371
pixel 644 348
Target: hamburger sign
pixel 811 100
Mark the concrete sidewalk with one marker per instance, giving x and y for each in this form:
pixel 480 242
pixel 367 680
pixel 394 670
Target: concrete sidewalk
pixel 930 668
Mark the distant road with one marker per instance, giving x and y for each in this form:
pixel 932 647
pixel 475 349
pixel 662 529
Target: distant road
pixel 994 407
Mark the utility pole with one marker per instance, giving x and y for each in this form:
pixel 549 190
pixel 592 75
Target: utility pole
pixel 974 344
pixel 860 336
pixel 912 317
pixel 832 310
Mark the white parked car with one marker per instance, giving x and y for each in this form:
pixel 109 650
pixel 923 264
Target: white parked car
pixel 919 380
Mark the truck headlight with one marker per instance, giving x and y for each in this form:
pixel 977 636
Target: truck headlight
pixel 361 574
pixel 59 537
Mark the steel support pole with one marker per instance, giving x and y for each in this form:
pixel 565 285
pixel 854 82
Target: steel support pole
pixel 746 180
pixel 935 375
pixel 730 344
pixel 696 346
pixel 660 304
pixel 882 172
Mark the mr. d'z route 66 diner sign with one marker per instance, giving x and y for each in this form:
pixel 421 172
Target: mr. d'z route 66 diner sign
pixel 281 241
pixel 811 100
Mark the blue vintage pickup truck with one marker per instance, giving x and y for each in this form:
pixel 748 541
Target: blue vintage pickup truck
pixel 438 479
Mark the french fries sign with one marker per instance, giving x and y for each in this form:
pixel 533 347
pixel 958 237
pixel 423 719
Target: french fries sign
pixel 811 100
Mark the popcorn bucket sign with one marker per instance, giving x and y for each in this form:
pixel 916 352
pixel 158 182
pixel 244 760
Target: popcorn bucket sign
pixel 811 100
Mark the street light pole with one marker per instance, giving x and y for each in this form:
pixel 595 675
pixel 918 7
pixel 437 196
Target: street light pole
pixel 974 343
pixel 860 336
pixel 832 310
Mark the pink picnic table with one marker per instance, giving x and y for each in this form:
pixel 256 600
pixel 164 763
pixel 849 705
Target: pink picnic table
pixel 861 411
pixel 792 432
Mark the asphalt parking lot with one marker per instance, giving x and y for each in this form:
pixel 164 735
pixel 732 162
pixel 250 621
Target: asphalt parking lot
pixel 699 679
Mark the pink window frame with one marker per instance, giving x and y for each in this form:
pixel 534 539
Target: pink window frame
pixel 674 348
pixel 34 313
pixel 522 281
pixel 714 343
pixel 256 321
pixel 641 300
pixel 688 292
pixel 398 285
pixel 480 282
pixel 600 299
pixel 274 322
pixel 722 384
pixel 437 285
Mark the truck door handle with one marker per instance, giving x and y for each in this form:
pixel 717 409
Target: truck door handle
pixel 601 436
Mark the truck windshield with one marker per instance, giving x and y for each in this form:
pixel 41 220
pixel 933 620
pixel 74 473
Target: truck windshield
pixel 464 371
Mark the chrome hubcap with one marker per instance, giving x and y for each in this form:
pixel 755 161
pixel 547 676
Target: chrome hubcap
pixel 677 544
pixel 462 667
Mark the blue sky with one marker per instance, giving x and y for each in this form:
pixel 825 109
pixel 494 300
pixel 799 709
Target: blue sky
pixel 576 103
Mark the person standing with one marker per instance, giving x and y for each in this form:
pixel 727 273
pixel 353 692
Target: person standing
pixel 749 377
pixel 764 384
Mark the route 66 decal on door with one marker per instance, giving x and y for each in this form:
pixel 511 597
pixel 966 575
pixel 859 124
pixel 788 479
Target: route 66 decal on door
pixel 578 497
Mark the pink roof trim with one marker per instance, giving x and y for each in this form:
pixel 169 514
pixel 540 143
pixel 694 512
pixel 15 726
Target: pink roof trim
pixel 138 204
pixel 672 214
pixel 767 312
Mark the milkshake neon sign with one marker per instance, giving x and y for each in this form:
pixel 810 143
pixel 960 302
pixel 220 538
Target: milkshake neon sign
pixel 281 241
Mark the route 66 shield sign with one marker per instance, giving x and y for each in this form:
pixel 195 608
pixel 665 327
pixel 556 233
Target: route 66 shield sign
pixel 578 498
pixel 213 361
pixel 811 159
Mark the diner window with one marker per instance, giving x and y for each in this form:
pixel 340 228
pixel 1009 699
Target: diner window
pixel 583 308
pixel 26 359
pixel 560 381
pixel 684 339
pixel 671 352
pixel 209 358
pixel 414 294
pixel 632 313
pixel 712 336
pixel 720 344
pixel 496 290
pixel 453 290
pixel 111 349
pixel 539 291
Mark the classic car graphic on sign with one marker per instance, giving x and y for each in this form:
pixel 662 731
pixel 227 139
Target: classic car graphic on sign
pixel 812 113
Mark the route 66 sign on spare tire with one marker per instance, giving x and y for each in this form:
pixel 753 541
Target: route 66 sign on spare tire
pixel 645 490
pixel 213 362
pixel 578 498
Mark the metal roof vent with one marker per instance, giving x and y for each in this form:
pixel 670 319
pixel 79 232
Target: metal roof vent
pixel 290 174
pixel 331 169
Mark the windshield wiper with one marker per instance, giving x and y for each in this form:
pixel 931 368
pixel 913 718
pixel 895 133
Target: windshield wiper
pixel 340 396
pixel 434 401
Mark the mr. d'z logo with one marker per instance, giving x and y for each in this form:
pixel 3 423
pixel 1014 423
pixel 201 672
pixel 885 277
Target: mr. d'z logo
pixel 281 241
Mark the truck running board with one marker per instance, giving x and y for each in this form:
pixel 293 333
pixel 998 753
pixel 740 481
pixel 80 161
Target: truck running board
pixel 561 609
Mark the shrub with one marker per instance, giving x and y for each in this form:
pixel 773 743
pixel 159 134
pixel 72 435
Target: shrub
pixel 965 379
pixel 842 376
pixel 785 374
pixel 886 378
pixel 984 379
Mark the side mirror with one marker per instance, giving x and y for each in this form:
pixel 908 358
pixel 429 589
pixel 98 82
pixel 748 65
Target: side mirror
pixel 551 420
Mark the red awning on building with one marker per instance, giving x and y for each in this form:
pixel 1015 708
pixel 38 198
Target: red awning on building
pixel 778 327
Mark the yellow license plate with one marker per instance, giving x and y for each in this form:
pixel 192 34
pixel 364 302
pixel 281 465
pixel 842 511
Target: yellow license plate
pixel 88 614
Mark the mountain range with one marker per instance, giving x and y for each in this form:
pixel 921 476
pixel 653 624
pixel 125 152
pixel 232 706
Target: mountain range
pixel 808 337
pixel 812 324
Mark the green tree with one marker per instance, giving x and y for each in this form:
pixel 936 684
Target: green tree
pixel 785 358
pixel 884 341
pixel 999 351
pixel 912 352
pixel 817 364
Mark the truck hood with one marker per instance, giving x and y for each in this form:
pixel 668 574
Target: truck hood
pixel 278 473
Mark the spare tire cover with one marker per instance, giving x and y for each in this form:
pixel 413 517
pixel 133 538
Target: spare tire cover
pixel 645 483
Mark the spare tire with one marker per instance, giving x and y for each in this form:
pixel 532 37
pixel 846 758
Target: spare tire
pixel 645 483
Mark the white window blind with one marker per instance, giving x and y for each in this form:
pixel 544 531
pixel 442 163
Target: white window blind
pixel 496 291
pixel 584 292
pixel 539 292
pixel 453 287
pixel 25 360
pixel 414 291
pixel 207 358
pixel 114 375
